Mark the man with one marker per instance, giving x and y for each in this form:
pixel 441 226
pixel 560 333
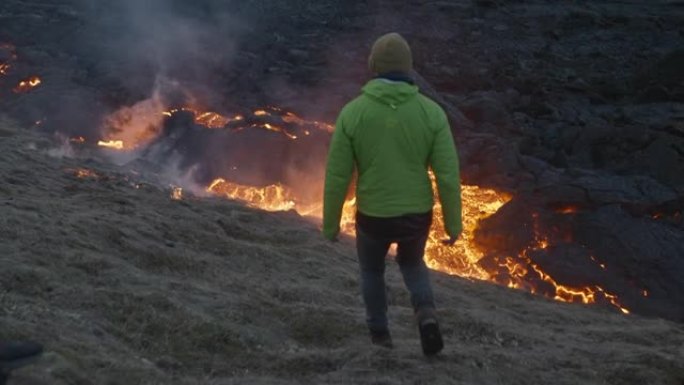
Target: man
pixel 392 135
pixel 14 355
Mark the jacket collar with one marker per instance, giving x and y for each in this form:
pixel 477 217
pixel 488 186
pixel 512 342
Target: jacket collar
pixel 396 77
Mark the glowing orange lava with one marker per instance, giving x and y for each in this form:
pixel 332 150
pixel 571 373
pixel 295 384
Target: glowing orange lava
pixel 463 260
pixel 138 125
pixel 28 84
pixel 208 119
pixel 113 144
pixel 567 210
pixel 271 198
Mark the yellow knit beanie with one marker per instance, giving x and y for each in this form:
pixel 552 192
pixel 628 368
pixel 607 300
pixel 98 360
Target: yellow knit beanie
pixel 390 53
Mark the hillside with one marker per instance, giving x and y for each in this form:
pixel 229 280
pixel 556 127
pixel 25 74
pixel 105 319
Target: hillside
pixel 125 285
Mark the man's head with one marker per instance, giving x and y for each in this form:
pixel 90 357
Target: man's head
pixel 390 53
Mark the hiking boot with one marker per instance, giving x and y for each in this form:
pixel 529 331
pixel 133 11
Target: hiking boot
pixel 381 338
pixel 430 335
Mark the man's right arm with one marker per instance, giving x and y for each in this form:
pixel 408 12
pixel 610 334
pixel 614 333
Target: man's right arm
pixel 339 171
pixel 445 165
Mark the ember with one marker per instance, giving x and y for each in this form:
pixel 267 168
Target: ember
pixel 567 210
pixel 84 173
pixel 28 84
pixel 176 193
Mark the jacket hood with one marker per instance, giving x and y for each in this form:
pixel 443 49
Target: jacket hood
pixel 390 93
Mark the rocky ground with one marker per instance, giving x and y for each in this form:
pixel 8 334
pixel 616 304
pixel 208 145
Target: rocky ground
pixel 576 109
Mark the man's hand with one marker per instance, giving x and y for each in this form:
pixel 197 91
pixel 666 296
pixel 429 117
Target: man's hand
pixel 332 237
pixel 451 241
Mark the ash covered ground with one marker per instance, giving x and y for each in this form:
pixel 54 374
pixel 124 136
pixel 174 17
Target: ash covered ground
pixel 575 110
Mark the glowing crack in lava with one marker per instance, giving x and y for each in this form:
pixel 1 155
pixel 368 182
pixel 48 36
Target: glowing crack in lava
pixel 519 271
pixel 208 119
pixel 27 84
pixel 136 126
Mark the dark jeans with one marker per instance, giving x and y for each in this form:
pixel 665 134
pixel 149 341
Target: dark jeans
pixel 373 239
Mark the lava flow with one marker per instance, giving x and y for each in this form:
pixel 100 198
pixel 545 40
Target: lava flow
pixel 518 271
pixel 460 260
pixel 134 126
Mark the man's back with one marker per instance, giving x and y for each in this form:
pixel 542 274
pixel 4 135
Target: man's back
pixel 393 134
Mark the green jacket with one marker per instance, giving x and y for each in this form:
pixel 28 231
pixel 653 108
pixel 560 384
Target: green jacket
pixel 392 134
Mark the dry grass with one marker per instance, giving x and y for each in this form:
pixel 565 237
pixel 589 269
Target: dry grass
pixel 126 286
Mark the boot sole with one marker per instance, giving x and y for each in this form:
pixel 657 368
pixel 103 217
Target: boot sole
pixel 431 339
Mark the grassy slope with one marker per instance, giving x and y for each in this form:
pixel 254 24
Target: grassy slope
pixel 126 286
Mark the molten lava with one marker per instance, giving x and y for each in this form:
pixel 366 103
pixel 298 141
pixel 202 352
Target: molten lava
pixel 515 271
pixel 133 127
pixel 460 260
pixel 208 119
pixel 27 85
pixel 113 144
pixel 270 198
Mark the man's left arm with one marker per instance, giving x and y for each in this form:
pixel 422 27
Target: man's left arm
pixel 339 171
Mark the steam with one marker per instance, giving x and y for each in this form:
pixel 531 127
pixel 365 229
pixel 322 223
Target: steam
pixel 150 57
pixel 157 54
pixel 142 41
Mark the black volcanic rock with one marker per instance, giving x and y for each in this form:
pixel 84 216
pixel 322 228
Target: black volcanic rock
pixel 575 110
